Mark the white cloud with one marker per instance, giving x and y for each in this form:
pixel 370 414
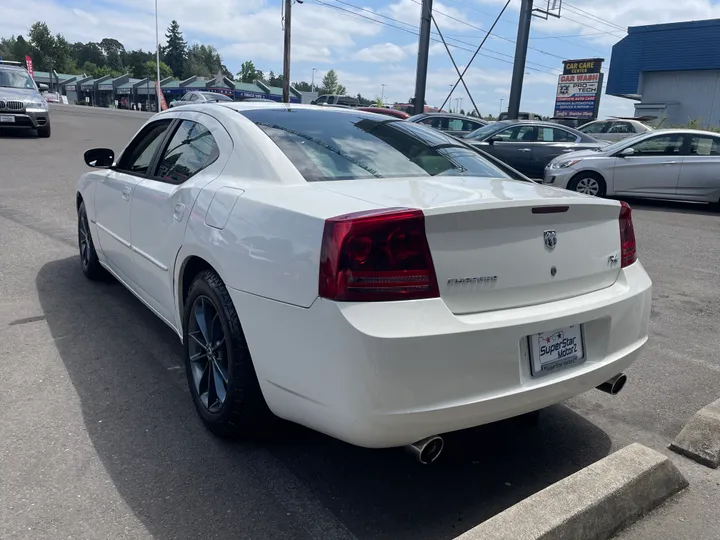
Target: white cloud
pixel 381 52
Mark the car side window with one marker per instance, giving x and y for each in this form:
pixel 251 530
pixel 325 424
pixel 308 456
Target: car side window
pixel 704 146
pixel 595 127
pixel 139 154
pixel 518 134
pixel 621 127
pixel 455 124
pixel 469 125
pixel 666 145
pixel 321 99
pixel 191 149
pixel 548 134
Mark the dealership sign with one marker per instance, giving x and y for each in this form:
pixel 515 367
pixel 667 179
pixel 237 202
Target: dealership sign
pixel 579 88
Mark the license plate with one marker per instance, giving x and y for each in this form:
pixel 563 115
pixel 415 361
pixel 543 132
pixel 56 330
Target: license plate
pixel 556 350
pixel 7 119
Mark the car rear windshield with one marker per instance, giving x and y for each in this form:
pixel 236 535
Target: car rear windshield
pixel 327 145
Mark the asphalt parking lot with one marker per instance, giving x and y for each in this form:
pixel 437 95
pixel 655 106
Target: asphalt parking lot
pixel 99 438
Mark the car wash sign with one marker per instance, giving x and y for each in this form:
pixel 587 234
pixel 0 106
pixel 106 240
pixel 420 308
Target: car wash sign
pixel 579 89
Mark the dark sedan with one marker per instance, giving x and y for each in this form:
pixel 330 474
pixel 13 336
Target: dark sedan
pixel 529 146
pixel 456 125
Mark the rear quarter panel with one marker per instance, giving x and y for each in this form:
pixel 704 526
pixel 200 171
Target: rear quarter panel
pixel 270 245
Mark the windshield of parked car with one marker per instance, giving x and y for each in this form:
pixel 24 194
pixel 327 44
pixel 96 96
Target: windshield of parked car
pixel 338 145
pixel 628 141
pixel 485 131
pixel 15 78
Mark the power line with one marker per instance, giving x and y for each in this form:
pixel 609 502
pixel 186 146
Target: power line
pixel 438 12
pixel 576 9
pixel 548 36
pixel 415 33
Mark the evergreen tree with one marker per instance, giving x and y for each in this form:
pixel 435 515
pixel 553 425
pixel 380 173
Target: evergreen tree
pixel 331 85
pixel 175 51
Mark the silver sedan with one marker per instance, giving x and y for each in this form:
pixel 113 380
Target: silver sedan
pixel 665 164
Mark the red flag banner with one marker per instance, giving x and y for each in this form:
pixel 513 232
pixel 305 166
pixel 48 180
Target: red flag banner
pixel 163 105
pixel 28 63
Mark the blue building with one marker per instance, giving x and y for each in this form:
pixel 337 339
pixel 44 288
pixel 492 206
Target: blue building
pixel 671 70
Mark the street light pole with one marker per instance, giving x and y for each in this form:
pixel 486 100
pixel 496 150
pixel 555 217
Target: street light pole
pixel 501 102
pixel 157 56
pixel 382 93
pixel 312 82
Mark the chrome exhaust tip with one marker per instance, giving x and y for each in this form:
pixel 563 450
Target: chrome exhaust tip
pixel 614 385
pixel 427 450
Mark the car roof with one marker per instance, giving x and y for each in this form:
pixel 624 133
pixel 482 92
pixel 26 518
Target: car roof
pixel 14 67
pixel 449 115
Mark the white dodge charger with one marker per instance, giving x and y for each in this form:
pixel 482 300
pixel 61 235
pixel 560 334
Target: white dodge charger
pixel 367 277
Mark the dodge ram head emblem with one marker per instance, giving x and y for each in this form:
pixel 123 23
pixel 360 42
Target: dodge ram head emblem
pixel 550 239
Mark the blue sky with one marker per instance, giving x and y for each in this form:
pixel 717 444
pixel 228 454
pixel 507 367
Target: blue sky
pixel 371 43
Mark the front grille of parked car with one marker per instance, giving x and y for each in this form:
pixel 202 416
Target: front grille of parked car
pixel 11 105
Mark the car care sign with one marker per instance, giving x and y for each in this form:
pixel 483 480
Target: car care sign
pixel 579 89
pixel 28 63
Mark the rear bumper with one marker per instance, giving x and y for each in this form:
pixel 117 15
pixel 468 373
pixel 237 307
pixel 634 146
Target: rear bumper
pixel 26 120
pixel 388 374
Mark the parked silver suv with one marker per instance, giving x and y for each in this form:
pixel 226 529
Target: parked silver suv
pixel 21 104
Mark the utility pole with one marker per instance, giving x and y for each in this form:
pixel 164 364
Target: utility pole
pixel 521 47
pixel 423 54
pixel 382 93
pixel 286 52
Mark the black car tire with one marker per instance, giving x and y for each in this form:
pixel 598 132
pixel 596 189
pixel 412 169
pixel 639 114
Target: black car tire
pixel 91 267
pixel 588 176
pixel 244 413
pixel 44 132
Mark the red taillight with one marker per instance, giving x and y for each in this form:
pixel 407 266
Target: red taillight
pixel 377 255
pixel 628 249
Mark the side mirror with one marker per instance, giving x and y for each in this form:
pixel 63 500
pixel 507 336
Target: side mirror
pixel 99 157
pixel 628 152
pixel 43 87
pixel 492 140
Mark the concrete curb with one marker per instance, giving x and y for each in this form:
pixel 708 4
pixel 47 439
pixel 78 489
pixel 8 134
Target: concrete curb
pixel 700 438
pixel 592 504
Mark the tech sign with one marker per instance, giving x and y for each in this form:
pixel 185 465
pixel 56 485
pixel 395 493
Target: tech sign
pixel 579 89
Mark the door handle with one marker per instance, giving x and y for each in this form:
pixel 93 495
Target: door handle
pixel 669 162
pixel 127 190
pixel 179 212
pixel 524 150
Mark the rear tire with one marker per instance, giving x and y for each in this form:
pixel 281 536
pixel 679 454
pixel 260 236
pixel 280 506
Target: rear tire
pixel 589 183
pixel 230 402
pixel 44 132
pixel 89 262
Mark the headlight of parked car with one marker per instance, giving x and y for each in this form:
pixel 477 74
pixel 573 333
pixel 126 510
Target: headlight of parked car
pixel 564 164
pixel 36 104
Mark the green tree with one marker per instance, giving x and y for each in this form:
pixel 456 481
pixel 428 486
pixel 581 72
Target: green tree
pixel 302 86
pixel 42 45
pixel 175 51
pixel 135 62
pixel 249 73
pixel 365 102
pixel 331 85
pixel 89 68
pixel 114 52
pixel 150 70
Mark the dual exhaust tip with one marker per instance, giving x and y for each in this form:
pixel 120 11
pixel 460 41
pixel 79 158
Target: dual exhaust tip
pixel 428 450
pixel 614 385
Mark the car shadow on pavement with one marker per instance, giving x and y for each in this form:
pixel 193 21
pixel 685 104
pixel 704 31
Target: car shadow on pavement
pixel 181 482
pixel 680 207
pixel 17 133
